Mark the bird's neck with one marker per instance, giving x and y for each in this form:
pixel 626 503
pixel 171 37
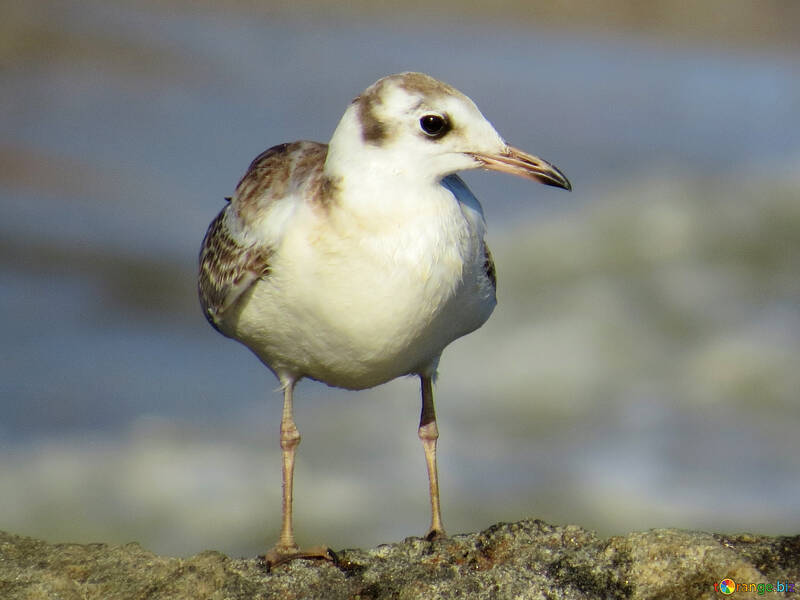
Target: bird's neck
pixel 395 195
pixel 395 200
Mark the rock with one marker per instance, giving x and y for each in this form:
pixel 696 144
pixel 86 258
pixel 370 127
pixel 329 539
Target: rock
pixel 529 559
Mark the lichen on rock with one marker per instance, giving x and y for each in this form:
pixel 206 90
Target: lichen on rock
pixel 525 560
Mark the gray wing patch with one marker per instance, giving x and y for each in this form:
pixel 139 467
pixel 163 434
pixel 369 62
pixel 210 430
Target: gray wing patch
pixel 488 266
pixel 227 269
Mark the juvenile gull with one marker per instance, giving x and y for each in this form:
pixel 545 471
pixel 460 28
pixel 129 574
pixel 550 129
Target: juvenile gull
pixel 359 261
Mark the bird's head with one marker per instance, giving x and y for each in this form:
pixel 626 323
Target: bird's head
pixel 411 124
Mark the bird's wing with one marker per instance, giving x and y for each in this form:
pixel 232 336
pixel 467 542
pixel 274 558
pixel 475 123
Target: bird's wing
pixel 228 267
pixel 240 241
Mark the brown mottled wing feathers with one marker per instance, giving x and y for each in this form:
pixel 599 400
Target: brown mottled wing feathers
pixel 235 255
pixel 283 170
pixel 227 269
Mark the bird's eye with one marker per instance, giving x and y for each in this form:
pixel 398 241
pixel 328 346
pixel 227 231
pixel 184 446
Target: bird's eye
pixel 434 126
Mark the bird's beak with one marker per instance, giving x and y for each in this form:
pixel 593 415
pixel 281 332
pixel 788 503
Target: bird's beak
pixel 517 162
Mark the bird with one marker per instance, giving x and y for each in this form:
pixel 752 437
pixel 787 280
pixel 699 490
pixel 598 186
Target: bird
pixel 356 262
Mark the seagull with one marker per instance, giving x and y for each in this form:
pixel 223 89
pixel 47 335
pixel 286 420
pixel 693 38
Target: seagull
pixel 358 261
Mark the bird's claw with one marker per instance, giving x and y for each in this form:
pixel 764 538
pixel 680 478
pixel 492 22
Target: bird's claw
pixel 275 557
pixel 435 535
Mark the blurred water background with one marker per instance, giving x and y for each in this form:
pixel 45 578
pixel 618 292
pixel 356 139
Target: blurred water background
pixel 642 368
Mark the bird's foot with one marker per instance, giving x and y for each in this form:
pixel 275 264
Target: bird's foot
pixel 435 534
pixel 280 555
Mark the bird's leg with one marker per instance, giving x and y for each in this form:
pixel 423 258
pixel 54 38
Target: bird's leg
pixel 286 549
pixel 290 439
pixel 429 433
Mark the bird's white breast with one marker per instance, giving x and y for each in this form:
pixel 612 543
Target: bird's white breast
pixel 358 297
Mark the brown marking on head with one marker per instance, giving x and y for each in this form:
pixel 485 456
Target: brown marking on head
pixel 373 131
pixel 425 85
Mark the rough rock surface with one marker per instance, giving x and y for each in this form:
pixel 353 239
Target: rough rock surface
pixel 529 559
